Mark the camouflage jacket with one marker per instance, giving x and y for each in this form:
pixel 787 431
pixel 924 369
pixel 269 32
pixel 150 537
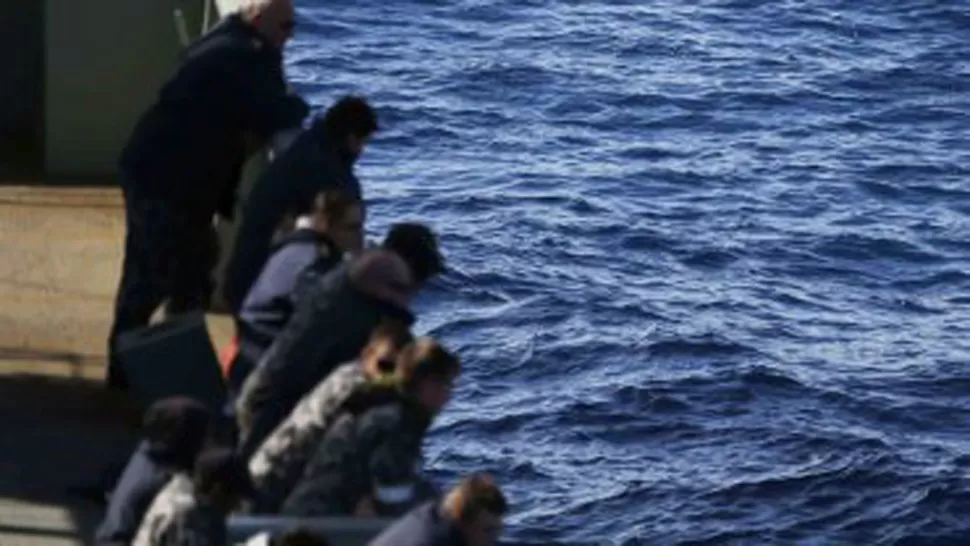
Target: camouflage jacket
pixel 374 448
pixel 277 465
pixel 176 518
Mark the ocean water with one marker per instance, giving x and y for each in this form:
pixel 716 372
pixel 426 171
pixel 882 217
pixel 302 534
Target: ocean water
pixel 709 259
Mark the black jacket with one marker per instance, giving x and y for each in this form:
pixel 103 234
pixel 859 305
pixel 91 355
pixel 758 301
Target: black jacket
pixel 331 324
pixel 314 162
pixel 422 526
pixel 190 145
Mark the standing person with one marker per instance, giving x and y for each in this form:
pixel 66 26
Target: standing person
pixel 332 323
pixel 185 155
pixel 175 432
pixel 331 227
pixel 470 515
pixel 321 158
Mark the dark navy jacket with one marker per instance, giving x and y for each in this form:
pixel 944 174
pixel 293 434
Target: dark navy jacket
pixel 142 479
pixel 422 526
pixel 190 145
pixel 313 163
pixel 270 301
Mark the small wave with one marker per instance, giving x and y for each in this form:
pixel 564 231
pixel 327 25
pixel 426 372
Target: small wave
pixel 711 259
pixel 638 398
pixel 644 239
pixel 762 376
pixel 703 346
pixel 861 248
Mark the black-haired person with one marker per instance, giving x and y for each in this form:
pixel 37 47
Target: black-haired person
pixel 333 319
pixel 321 158
pixel 175 431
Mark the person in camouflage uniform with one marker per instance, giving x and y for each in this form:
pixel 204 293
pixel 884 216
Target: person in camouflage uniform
pixel 176 429
pixel 278 464
pixel 192 511
pixel 369 461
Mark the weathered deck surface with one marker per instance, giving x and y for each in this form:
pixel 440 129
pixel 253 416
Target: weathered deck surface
pixel 60 252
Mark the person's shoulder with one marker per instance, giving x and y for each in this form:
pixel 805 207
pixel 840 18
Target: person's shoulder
pixel 388 415
pixel 381 273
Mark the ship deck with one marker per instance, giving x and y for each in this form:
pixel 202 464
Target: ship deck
pixel 60 255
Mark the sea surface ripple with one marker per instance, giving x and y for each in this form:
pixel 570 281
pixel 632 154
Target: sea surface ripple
pixel 708 260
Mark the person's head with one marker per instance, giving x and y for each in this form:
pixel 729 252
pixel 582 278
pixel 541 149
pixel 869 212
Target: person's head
pixel 379 356
pixel 273 19
pixel 476 507
pixel 301 537
pixel 427 371
pixel 176 429
pixel 351 121
pixel 417 245
pixel 222 478
pixel 340 216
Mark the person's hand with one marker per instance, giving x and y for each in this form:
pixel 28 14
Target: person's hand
pixel 365 508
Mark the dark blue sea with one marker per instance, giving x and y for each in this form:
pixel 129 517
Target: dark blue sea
pixel 709 260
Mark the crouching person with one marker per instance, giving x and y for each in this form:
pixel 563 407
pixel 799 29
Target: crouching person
pixel 470 515
pixel 332 226
pixel 175 431
pixel 368 462
pixel 331 323
pixel 277 465
pixel 193 511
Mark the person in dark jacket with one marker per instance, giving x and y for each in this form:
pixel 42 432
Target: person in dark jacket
pixel 470 515
pixel 185 155
pixel 331 324
pixel 279 462
pixel 368 463
pixel 321 158
pixel 175 431
pixel 331 227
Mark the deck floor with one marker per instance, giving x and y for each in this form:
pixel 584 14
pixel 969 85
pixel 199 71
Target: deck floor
pixel 60 255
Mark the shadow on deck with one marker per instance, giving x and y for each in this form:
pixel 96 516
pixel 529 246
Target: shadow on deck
pixel 60 434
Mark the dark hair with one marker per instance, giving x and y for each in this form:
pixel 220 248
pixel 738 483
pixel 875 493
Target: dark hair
pixel 351 115
pixel 301 537
pixel 417 245
pixel 176 429
pixel 221 466
pixel 423 358
pixel 474 495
